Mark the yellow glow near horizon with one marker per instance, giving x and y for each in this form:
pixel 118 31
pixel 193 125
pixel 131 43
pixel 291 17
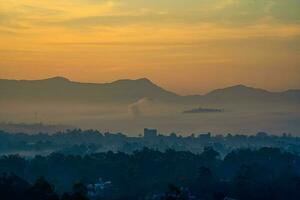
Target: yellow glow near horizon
pixel 188 47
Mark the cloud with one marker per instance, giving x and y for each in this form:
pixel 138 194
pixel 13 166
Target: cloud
pixel 84 14
pixel 115 20
pixel 230 13
pixel 7 32
pixel 147 23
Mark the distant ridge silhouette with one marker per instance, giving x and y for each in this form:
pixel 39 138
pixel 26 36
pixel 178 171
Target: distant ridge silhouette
pixel 60 89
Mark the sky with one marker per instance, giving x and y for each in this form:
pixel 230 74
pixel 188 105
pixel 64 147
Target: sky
pixel 190 46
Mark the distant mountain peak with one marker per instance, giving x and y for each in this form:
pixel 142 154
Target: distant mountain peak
pixel 237 88
pixel 133 80
pixel 145 81
pixel 57 78
pixel 141 81
pixel 240 86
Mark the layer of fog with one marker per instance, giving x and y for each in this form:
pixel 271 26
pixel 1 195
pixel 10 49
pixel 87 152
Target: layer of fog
pixel 133 118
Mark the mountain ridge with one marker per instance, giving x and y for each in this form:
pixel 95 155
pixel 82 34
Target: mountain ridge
pixel 62 89
pixel 130 90
pixel 145 80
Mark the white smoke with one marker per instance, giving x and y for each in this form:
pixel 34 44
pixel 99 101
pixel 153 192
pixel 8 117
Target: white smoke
pixel 142 107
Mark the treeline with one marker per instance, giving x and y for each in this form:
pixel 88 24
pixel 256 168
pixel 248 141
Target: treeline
pixel 267 173
pixel 13 187
pixel 82 142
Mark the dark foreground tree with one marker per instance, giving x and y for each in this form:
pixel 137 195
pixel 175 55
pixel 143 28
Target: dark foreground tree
pixel 41 190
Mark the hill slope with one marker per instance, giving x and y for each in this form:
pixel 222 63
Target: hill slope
pixel 59 89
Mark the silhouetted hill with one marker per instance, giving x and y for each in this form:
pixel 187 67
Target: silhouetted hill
pixel 59 89
pixel 238 93
pixel 245 94
pixel 238 90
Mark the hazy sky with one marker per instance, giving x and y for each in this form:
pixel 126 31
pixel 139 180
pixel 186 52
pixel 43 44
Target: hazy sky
pixel 188 46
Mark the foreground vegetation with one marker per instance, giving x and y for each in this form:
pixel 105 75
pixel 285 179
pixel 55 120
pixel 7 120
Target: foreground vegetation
pixel 266 173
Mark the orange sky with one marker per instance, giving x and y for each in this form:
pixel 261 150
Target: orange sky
pixel 189 47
